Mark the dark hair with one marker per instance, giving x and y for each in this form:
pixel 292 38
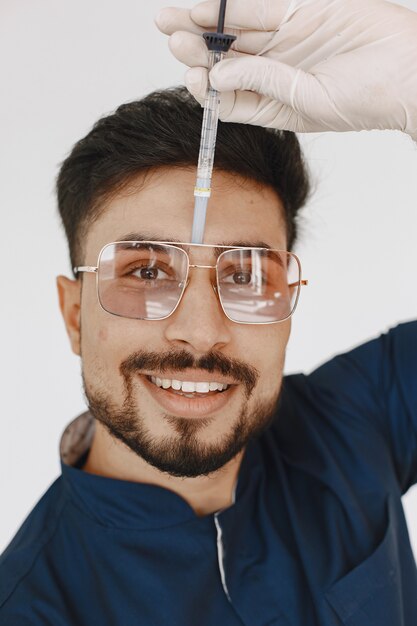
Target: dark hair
pixel 163 129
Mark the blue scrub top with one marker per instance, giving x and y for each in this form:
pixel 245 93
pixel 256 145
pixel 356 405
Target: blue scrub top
pixel 316 536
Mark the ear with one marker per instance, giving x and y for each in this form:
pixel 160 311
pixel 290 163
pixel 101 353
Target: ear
pixel 69 293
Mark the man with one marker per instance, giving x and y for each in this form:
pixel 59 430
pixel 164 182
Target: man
pixel 201 487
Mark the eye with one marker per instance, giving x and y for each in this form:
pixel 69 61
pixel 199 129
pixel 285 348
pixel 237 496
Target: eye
pixel 237 277
pixel 242 278
pixel 148 273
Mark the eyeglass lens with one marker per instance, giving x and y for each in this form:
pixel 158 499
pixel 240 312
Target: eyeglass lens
pixel 143 280
pixel 258 286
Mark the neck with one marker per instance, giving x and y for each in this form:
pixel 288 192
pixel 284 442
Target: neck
pixel 205 494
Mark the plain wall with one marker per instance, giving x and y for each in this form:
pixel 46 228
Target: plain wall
pixel 65 64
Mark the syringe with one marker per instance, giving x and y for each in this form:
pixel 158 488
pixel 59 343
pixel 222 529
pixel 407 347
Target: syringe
pixel 218 44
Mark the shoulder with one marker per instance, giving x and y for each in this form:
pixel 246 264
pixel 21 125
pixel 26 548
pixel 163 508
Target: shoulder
pixel 371 362
pixel 354 407
pixel 358 380
pixel 29 542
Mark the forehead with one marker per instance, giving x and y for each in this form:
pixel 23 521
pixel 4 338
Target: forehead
pixel 160 205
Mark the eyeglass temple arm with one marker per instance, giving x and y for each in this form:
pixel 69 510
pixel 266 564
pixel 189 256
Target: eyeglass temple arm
pixel 302 283
pixel 85 268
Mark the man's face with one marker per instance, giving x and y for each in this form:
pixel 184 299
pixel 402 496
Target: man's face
pixel 184 436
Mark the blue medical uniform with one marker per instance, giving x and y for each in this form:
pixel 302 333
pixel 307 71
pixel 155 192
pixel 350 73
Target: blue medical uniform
pixel 316 534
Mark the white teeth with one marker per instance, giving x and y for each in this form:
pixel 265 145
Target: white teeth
pixel 188 386
pixel 202 387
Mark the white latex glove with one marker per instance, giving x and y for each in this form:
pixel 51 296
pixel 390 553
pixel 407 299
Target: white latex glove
pixel 305 65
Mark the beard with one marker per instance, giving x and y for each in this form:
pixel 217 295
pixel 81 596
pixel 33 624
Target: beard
pixel 183 454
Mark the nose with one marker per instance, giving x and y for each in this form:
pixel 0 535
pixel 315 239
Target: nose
pixel 199 320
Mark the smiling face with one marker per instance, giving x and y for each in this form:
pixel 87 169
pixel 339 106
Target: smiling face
pixel 122 359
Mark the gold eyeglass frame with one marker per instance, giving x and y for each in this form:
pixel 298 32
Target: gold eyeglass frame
pixel 94 270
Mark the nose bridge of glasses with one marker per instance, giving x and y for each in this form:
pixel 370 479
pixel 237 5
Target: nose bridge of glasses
pixel 202 259
pixel 201 266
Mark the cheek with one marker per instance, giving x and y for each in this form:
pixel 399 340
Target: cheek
pixel 103 334
pixel 103 345
pixel 265 345
pixel 264 348
pixel 98 354
pixel 108 340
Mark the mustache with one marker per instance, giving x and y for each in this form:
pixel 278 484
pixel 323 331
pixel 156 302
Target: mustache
pixel 213 362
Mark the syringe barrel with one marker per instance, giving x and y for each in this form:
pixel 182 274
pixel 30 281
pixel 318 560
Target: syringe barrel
pixel 209 127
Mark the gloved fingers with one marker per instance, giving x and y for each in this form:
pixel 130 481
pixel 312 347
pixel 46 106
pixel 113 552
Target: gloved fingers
pixel 171 19
pixel 245 107
pixel 273 79
pixel 196 81
pixel 265 76
pixel 191 49
pixel 251 14
pixel 252 41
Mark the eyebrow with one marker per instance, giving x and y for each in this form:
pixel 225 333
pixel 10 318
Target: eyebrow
pixel 217 249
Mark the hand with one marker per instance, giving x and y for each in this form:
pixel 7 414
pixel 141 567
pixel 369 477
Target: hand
pixel 305 65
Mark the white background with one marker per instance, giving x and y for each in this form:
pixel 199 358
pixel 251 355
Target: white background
pixel 65 64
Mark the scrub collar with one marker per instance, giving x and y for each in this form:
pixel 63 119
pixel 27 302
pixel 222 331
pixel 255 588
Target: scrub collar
pixel 130 505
